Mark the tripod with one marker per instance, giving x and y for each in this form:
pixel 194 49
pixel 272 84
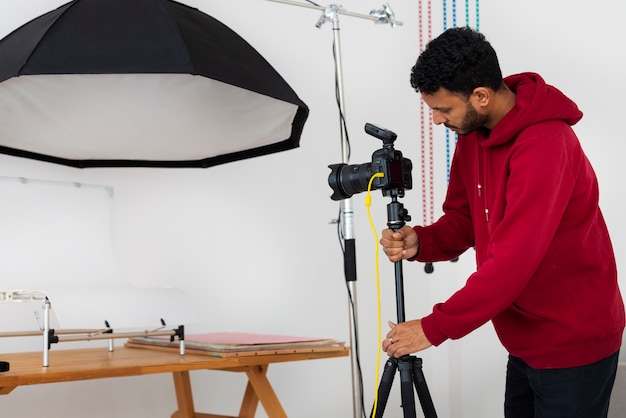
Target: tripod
pixel 410 366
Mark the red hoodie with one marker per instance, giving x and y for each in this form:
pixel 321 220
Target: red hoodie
pixel 526 197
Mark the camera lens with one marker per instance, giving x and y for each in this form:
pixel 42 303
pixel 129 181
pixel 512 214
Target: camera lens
pixel 346 180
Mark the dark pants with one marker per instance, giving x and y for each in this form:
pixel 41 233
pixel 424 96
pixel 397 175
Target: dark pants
pixel 582 391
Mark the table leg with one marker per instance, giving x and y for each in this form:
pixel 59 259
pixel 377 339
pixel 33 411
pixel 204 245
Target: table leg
pixel 262 391
pixel 184 396
pixel 258 390
pixel 250 400
pixel 5 390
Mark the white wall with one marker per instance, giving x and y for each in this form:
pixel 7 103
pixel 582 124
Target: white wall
pixel 251 241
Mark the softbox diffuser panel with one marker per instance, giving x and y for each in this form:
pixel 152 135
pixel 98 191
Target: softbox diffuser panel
pixel 130 119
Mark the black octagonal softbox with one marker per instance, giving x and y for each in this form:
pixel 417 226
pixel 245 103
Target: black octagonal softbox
pixel 140 83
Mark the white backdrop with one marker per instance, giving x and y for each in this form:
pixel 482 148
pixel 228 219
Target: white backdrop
pixel 253 244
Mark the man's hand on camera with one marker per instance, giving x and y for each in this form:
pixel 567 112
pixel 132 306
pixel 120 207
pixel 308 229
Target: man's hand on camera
pixel 401 244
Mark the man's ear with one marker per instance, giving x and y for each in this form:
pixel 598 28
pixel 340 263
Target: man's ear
pixel 481 96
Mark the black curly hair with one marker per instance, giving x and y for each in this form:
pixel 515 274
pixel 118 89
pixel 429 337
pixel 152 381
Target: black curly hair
pixel 460 59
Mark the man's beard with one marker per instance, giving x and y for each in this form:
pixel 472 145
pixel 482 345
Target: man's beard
pixel 471 122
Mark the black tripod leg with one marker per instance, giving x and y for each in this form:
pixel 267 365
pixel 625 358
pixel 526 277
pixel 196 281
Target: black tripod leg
pixel 422 389
pixel 406 387
pixel 389 372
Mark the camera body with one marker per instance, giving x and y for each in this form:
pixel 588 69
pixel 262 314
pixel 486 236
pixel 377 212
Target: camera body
pixel 346 180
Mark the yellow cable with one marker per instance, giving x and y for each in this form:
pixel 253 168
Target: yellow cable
pixel 368 203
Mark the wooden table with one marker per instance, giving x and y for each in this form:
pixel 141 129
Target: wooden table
pixel 99 363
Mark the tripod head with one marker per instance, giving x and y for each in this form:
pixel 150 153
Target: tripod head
pixel 397 215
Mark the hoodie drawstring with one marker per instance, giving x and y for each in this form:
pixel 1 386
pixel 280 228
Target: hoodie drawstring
pixel 482 188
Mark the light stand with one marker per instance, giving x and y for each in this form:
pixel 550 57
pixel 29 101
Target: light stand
pixel 346 215
pixel 410 366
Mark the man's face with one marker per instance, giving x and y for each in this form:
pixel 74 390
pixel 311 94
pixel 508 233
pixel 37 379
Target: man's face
pixel 454 112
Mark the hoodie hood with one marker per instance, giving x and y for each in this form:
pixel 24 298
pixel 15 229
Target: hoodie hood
pixel 535 102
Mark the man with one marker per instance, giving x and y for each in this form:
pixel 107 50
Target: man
pixel 524 195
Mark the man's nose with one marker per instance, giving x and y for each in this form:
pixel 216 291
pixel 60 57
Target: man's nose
pixel 438 117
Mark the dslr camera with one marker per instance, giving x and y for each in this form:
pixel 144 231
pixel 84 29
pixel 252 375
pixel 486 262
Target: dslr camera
pixel 346 180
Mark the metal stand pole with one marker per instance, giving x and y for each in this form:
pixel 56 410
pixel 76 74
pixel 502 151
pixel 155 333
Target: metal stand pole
pixel 46 333
pixel 346 217
pixel 347 225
